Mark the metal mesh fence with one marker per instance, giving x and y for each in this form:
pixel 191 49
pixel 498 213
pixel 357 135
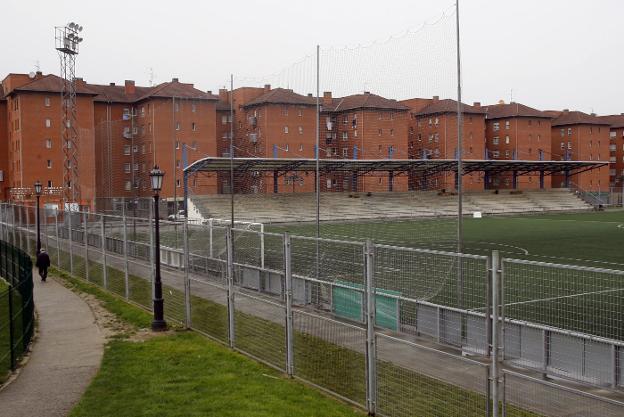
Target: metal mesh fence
pixel 331 355
pixel 525 396
pixel 565 321
pixel 300 304
pixel 412 377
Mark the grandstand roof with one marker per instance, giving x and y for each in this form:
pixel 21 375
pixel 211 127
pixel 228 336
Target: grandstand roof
pixel 363 166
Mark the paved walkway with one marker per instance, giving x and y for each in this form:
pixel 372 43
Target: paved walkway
pixel 64 358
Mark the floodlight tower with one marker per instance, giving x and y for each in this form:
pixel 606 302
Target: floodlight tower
pixel 67 41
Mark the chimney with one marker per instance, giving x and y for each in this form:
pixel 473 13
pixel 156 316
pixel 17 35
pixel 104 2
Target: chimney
pixel 175 80
pixel 209 92
pixel 111 84
pixel 267 88
pixel 81 82
pixel 566 110
pixel 593 114
pixel 38 74
pixel 223 94
pixel 327 98
pixel 476 104
pixel 436 98
pixel 309 94
pixel 501 101
pixel 129 87
pixel 366 92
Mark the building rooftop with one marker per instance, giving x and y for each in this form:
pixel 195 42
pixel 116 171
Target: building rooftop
pixel 615 120
pixel 437 106
pixel 282 96
pixel 505 110
pixel 567 117
pixel 363 101
pixel 53 84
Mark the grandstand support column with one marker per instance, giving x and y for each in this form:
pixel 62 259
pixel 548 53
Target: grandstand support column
pixel 390 181
pixel 514 180
pixel 371 348
pixel 541 180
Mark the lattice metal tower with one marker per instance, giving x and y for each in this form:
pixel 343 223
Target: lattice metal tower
pixel 67 43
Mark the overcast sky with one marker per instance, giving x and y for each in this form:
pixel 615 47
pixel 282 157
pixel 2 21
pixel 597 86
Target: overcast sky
pixel 553 54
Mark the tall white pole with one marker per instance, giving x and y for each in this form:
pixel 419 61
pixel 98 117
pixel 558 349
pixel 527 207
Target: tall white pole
pixel 318 147
pixel 460 232
pixel 232 150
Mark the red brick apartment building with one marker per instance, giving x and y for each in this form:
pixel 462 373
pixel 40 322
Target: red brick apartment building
pixel 616 149
pixel 364 126
pixel 4 151
pixel 34 141
pixel 581 137
pixel 514 131
pixel 432 134
pixel 123 131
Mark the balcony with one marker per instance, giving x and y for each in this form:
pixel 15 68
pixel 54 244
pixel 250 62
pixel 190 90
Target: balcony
pixel 612 147
pixel 127 134
pixel 253 137
pixel 253 121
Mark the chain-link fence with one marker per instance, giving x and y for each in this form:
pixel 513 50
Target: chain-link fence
pixel 16 304
pixel 398 331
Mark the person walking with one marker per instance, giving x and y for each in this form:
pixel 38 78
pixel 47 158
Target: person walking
pixel 43 263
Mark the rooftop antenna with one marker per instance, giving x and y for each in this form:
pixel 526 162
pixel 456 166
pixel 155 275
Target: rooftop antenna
pixel 37 66
pixel 511 96
pixel 151 76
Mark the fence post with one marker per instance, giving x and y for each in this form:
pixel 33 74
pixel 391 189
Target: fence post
pixel 152 251
pixel 104 268
pixel 210 237
pixel 290 368
pixel 45 227
pixel 371 348
pixel 58 242
pixel 125 245
pixel 27 234
pixel 71 241
pixel 262 245
pixel 19 225
pixel 187 277
pixel 14 224
pixel 230 285
pixel 2 228
pixel 11 330
pixel 85 219
pixel 494 378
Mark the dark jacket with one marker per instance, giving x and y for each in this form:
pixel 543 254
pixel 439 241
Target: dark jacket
pixel 43 260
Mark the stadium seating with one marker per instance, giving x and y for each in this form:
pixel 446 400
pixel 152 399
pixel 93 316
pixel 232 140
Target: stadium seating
pixel 301 207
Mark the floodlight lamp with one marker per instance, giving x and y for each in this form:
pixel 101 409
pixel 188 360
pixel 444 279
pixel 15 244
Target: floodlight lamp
pixel 79 28
pixel 71 25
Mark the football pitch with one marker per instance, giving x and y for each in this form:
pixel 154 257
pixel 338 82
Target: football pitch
pixel 590 238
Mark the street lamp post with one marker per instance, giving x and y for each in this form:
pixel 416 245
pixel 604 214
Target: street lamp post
pixel 38 195
pixel 159 323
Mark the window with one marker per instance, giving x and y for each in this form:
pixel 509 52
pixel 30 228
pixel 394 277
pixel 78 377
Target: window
pixel 193 107
pixel 300 112
pixel 177 144
pixel 46 101
pixel 506 124
pixel 301 130
pixel 495 154
pixel 127 167
pixel 345 152
pixel 345 119
pixel 530 122
pixel 286 147
pixel 355 133
pixel 49 163
pixel 345 136
pixel 177 125
pixel 562 145
pixel 128 186
pixel 436 138
pixel 48 123
pixel 436 121
pixel 301 148
pixel 495 140
pixel 178 183
pixel 48 143
pixel 569 131
pixel 177 163
pixel 507 139
pixel 430 121
pixel 430 137
pixel 193 127
pixel 142 111
pixel 127 150
pixel 507 154
pixel 562 132
pixel 224 119
pixel 379 132
pixel 392 132
pixel 569 145
pixel 539 137
pixel 285 129
pixel 49 183
pixel 177 106
pixel 284 111
pixel 496 126
pixel 135 148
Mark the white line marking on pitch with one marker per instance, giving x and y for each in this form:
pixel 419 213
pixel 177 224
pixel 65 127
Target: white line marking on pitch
pixel 526 252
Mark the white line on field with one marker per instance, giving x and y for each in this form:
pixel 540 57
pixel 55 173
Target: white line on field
pixel 526 252
pixel 565 296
